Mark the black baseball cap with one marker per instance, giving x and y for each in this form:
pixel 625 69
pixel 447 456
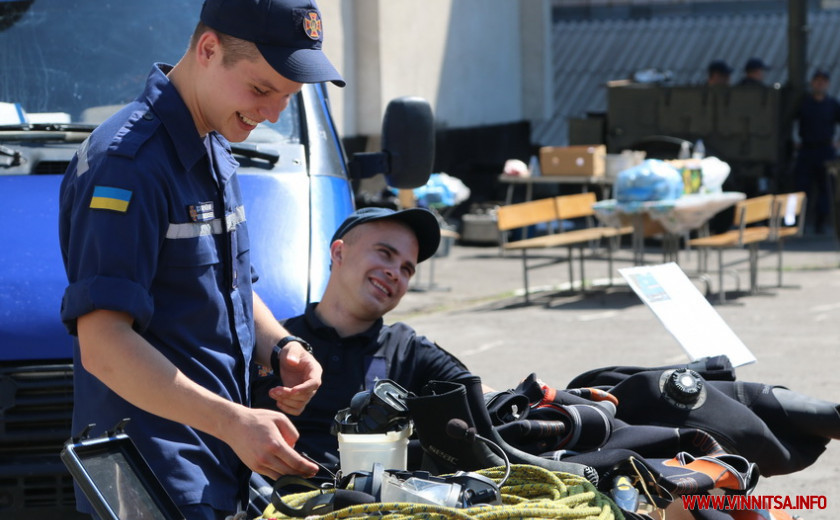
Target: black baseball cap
pixel 422 221
pixel 821 73
pixel 720 66
pixel 755 64
pixel 288 33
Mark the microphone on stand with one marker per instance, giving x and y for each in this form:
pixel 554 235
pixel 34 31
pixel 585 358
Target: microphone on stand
pixel 458 429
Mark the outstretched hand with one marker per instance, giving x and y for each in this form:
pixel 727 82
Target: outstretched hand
pixel 301 376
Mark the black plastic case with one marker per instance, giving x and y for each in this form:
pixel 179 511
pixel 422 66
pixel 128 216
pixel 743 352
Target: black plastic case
pixel 116 479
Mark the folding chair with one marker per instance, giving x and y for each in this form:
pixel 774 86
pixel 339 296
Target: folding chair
pixel 752 225
pixel 788 221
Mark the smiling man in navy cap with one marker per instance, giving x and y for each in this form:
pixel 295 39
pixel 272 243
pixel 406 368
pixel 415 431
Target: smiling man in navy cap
pixel 374 254
pixel 154 241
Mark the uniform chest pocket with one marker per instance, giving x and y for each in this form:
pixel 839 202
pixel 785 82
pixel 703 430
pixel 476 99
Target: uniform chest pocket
pixel 190 252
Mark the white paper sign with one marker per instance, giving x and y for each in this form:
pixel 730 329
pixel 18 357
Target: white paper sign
pixel 685 313
pixel 790 210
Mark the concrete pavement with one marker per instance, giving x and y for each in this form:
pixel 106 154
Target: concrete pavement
pixel 476 311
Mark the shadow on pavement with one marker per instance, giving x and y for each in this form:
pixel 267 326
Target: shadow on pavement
pixel 598 299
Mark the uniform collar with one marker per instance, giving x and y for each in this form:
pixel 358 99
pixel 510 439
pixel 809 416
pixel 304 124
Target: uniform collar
pixel 323 330
pixel 168 105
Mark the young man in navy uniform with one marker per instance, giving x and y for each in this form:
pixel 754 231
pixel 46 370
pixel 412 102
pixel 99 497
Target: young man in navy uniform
pixel 374 254
pixel 817 115
pixel 155 244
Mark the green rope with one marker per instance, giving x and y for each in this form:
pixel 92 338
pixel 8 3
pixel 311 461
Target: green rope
pixel 529 493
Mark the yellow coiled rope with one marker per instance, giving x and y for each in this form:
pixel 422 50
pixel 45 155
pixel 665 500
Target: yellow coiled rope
pixel 530 492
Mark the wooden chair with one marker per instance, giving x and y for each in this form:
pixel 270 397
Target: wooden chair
pixel 788 221
pixel 751 226
pixel 551 211
pixel 579 206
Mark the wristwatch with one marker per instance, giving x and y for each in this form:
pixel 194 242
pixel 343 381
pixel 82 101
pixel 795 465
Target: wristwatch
pixel 275 352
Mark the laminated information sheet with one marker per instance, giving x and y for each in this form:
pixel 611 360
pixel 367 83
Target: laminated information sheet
pixel 685 313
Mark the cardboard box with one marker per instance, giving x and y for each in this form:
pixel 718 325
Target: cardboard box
pixel 586 160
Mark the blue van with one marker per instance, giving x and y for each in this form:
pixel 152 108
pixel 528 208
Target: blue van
pixel 67 65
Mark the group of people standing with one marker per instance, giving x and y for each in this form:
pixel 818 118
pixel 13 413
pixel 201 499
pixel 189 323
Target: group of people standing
pixel 815 117
pixel 719 73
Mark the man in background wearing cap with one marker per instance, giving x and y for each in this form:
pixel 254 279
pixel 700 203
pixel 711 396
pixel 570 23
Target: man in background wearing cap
pixel 154 241
pixel 754 73
pixel 817 117
pixel 374 254
pixel 718 74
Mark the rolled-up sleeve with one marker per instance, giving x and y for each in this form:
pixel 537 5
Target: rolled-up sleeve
pixel 102 292
pixel 110 245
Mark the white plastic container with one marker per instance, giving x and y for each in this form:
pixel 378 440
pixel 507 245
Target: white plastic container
pixel 359 451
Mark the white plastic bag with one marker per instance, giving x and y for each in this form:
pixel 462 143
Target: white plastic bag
pixel 516 168
pixel 715 173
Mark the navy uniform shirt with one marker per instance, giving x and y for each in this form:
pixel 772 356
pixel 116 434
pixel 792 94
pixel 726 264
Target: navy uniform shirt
pixel 817 121
pixel 354 364
pixel 152 226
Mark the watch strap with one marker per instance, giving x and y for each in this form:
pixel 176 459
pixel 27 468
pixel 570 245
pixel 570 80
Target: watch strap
pixel 275 352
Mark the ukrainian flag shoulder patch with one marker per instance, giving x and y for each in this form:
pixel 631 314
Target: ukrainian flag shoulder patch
pixel 115 199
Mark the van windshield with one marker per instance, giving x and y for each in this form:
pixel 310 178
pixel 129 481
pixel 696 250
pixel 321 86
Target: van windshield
pixel 77 61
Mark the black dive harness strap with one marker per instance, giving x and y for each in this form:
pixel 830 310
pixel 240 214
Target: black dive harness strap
pixel 329 500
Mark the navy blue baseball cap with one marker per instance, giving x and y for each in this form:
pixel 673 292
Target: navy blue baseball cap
pixel 821 73
pixel 422 221
pixel 288 33
pixel 756 64
pixel 720 67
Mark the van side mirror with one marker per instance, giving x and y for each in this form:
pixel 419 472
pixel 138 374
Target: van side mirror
pixel 408 145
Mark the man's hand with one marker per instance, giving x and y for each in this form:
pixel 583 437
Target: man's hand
pixel 264 440
pixel 301 375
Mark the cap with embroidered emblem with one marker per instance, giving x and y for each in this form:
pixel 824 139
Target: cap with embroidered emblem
pixel 288 34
